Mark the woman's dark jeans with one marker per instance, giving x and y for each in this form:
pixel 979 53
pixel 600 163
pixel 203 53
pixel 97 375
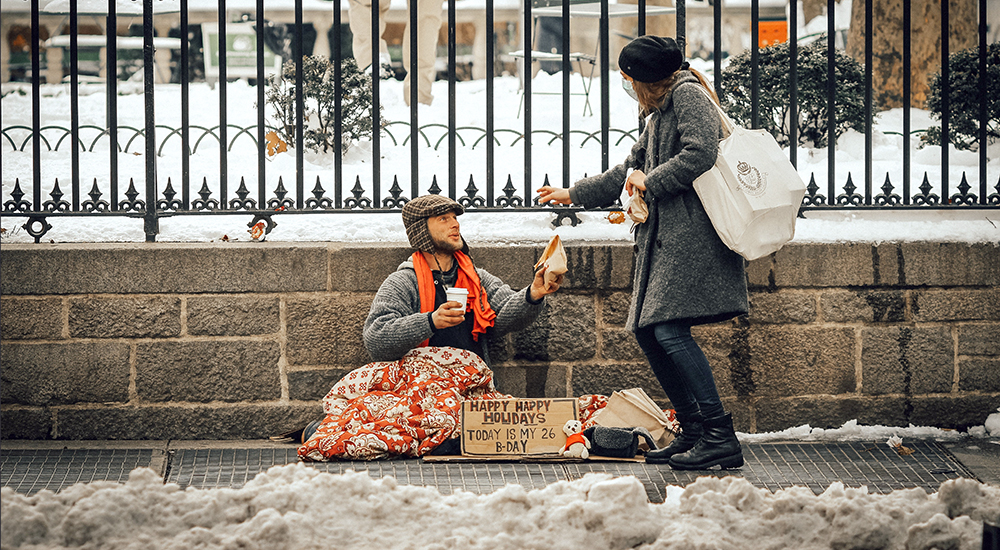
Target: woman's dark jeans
pixel 682 369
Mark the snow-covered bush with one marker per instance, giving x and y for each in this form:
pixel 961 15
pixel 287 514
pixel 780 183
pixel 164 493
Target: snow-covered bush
pixel 963 122
pixel 774 92
pixel 319 91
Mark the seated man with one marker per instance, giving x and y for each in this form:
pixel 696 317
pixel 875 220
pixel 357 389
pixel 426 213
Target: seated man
pixel 430 354
pixel 410 309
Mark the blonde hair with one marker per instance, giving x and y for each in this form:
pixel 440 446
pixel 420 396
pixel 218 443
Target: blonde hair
pixel 652 94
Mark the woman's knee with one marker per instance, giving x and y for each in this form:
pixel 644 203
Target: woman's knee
pixel 673 337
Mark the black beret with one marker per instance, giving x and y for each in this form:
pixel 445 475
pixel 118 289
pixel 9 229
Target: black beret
pixel 650 58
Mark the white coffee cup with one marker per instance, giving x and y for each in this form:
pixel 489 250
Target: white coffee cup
pixel 458 294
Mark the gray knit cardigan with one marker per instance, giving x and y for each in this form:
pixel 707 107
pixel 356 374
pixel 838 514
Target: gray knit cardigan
pixel 395 324
pixel 683 271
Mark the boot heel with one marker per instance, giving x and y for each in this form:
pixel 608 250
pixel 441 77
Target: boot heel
pixel 732 462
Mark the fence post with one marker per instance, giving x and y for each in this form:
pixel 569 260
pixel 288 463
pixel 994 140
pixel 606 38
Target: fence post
pixel 151 223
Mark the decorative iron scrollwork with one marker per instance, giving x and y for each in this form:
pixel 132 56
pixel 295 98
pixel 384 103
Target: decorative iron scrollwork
pixel 565 215
pixel 849 196
pixel 994 199
pixel 963 196
pixel 205 202
pixel 37 232
pixel 434 189
pixel 812 198
pixel 925 197
pixel 132 204
pixel 280 200
pixel 509 200
pixel 168 202
pixel 359 200
pixel 319 199
pixel 269 223
pixel 16 204
pixel 56 204
pixel 887 197
pixel 242 202
pixel 95 204
pixel 471 199
pixel 396 200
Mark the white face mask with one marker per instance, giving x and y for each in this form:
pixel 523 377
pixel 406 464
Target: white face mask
pixel 627 86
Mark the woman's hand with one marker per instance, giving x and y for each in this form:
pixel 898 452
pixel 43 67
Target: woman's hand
pixel 553 194
pixel 635 180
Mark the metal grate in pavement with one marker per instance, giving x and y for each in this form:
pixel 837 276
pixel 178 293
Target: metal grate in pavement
pixel 774 466
pixel 855 464
pixel 30 471
pixel 208 468
pixel 212 468
pixel 771 466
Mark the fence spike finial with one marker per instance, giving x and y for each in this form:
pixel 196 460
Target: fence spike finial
pixel 17 204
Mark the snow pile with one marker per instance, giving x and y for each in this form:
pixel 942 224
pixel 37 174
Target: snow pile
pixel 992 423
pixel 295 506
pixel 852 431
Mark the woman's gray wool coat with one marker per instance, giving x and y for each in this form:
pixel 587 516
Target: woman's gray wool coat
pixel 683 271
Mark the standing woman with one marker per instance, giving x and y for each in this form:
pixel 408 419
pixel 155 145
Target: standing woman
pixel 684 274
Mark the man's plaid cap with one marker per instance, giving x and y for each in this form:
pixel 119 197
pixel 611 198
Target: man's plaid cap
pixel 415 214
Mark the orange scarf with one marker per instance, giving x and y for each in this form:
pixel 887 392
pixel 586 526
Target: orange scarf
pixel 484 317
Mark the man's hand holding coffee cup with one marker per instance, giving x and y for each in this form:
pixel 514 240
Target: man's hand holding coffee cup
pixel 452 312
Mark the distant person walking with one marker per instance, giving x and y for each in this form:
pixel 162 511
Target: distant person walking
pixel 684 274
pixel 429 16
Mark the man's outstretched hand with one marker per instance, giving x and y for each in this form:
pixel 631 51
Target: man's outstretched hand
pixel 539 288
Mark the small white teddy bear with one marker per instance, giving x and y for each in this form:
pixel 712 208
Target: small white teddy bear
pixel 576 443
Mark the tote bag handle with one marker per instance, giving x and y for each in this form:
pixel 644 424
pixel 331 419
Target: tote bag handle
pixel 727 123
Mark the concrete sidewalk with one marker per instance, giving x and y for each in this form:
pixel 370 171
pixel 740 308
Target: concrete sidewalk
pixel 31 466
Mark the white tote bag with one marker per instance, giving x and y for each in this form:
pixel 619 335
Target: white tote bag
pixel 753 193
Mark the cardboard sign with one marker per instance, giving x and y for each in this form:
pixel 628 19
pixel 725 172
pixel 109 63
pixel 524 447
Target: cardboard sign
pixel 515 427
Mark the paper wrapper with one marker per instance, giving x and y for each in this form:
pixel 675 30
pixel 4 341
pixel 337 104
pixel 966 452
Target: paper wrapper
pixel 554 258
pixel 631 408
pixel 636 207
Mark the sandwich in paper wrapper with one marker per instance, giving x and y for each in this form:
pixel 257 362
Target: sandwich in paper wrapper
pixel 554 257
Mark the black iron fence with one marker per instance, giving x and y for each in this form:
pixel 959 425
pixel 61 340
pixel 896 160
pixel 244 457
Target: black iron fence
pixel 496 188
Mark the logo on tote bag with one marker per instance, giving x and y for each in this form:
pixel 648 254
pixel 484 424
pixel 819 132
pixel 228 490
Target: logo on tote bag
pixel 751 180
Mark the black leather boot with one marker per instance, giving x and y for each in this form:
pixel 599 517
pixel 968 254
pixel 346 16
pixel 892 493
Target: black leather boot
pixel 691 431
pixel 718 446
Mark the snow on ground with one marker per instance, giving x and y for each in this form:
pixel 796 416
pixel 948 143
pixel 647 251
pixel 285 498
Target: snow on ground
pixel 295 507
pixel 508 228
pixel 852 431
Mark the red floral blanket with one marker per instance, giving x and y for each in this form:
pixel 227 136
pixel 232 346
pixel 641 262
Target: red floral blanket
pixel 406 407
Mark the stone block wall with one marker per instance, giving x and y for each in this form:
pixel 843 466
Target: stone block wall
pixel 241 340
